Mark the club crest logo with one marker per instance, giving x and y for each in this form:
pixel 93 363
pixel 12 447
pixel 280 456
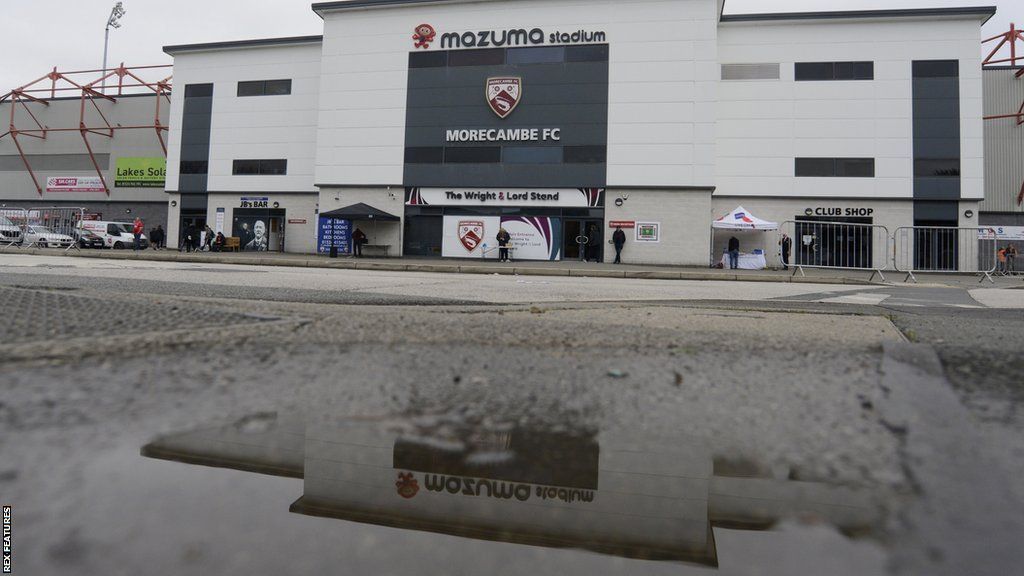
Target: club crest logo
pixel 407 485
pixel 471 234
pixel 504 94
pixel 425 34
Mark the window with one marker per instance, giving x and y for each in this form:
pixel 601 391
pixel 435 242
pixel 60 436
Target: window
pixel 490 57
pixel 936 69
pixel 809 71
pixel 587 53
pixel 532 155
pixel 547 55
pixel 424 155
pixel 585 154
pixel 265 88
pixel 478 155
pixel 835 167
pixel 194 167
pixel 750 71
pixel 937 168
pixel 259 167
pixel 428 59
pixel 198 90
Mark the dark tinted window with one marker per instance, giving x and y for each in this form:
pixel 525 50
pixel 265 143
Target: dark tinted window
pixel 278 87
pixel 808 71
pixel 585 154
pixel 532 155
pixel 250 88
pixel 428 59
pixel 479 155
pixel 936 69
pixel 265 88
pixel 476 57
pixel 198 90
pixel 587 53
pixel 548 55
pixel 424 155
pixel 193 167
pixel 937 168
pixel 835 167
pixel 855 167
pixel 273 167
pixel 259 167
pixel 245 167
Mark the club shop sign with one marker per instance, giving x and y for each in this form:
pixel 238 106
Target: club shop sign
pixel 425 34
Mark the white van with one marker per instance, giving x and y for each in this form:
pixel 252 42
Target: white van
pixel 115 235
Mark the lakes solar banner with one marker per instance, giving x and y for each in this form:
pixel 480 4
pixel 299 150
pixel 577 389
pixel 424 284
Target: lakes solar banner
pixel 533 238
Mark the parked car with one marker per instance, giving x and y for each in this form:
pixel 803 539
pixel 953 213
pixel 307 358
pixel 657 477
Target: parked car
pixel 10 233
pixel 43 237
pixel 87 239
pixel 115 235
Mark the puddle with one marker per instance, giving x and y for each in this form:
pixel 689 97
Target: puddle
pixel 434 494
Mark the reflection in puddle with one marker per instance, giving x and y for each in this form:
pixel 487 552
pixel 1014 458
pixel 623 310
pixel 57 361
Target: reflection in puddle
pixel 605 491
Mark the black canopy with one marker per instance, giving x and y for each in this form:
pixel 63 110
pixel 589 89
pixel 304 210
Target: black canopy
pixel 362 213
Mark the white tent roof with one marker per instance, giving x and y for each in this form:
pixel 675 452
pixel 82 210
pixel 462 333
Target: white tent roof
pixel 742 219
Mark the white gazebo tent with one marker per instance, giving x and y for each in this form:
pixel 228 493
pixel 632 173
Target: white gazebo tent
pixel 741 220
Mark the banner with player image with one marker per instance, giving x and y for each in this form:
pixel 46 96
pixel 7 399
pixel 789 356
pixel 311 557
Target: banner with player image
pixel 253 233
pixel 533 238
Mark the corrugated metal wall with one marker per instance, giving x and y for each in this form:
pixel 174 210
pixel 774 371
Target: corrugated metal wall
pixel 1004 141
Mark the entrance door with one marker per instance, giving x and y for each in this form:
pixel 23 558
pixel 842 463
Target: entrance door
pixel 276 239
pixel 583 240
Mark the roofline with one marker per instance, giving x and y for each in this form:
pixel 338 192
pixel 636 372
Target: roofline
pixel 254 43
pixel 987 11
pixel 321 7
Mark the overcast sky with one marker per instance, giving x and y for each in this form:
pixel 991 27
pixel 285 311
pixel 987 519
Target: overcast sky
pixel 68 34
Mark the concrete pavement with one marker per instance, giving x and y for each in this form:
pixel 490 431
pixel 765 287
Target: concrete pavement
pixel 793 382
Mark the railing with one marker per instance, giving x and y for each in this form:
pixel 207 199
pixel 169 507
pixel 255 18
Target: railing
pixel 945 250
pixel 54 227
pixel 836 245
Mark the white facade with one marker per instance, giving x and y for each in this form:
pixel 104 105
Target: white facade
pixel 764 124
pixel 662 85
pixel 683 146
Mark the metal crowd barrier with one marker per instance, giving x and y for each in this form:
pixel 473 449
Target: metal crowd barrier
pixel 946 250
pixel 52 227
pixel 836 245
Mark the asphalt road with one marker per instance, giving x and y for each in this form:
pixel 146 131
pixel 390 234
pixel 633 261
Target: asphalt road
pixel 907 396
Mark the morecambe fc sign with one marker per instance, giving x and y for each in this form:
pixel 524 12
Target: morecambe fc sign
pixel 503 94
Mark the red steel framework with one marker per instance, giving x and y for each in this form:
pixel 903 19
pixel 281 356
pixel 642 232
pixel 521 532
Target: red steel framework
pixel 1015 59
pixel 87 84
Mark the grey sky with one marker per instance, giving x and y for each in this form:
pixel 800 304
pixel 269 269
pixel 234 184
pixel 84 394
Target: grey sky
pixel 69 33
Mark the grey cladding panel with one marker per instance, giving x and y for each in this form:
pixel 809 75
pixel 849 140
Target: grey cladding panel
pixel 750 71
pixel 53 162
pixel 572 96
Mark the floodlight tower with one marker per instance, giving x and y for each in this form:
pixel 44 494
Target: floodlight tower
pixel 116 14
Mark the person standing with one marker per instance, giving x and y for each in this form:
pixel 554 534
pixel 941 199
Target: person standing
pixel 191 238
pixel 593 248
pixel 734 253
pixel 787 245
pixel 208 239
pixel 619 240
pixel 137 228
pixel 503 239
pixel 1011 257
pixel 358 239
pixel 158 238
